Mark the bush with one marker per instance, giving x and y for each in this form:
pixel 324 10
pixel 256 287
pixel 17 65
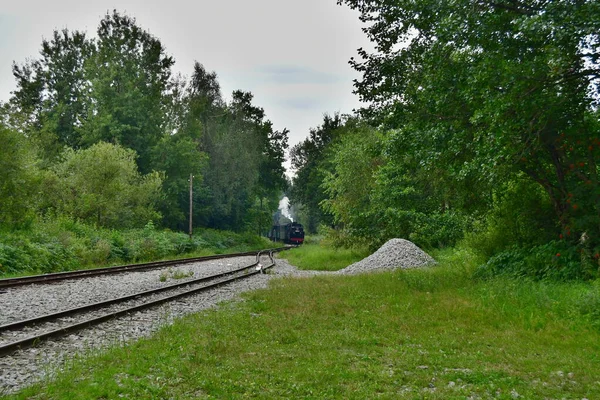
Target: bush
pixel 64 244
pixel 19 180
pixel 437 230
pixel 521 216
pixel 556 260
pixel 101 185
pixel 19 253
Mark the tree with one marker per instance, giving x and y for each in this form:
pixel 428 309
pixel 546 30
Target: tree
pixel 49 104
pixel 309 161
pixel 130 75
pixel 101 185
pixel 482 91
pixel 19 180
pixel 244 175
pixel 178 156
pixel 349 186
pixel 118 89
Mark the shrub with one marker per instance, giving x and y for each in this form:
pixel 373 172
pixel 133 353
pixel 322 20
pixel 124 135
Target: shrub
pixel 521 216
pixel 64 244
pixel 556 260
pixel 102 185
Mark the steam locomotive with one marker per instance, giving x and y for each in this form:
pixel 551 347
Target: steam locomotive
pixel 285 230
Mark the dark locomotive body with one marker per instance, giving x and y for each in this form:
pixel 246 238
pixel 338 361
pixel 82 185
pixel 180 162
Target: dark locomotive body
pixel 284 230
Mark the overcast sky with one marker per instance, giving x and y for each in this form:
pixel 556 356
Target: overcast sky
pixel 291 54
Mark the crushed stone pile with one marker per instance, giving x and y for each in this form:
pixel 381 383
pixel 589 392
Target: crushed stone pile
pixel 395 253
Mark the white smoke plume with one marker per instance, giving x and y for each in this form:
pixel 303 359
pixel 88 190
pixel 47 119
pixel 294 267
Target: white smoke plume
pixel 284 206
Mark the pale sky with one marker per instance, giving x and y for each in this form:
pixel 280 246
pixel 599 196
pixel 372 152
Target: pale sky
pixel 291 54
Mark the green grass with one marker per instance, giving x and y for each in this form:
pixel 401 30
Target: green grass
pixel 433 334
pixel 170 274
pixel 314 256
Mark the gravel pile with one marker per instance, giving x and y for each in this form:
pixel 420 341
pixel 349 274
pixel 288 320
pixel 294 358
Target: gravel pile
pixel 395 253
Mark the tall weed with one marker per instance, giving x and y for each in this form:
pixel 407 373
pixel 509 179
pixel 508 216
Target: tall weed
pixel 64 244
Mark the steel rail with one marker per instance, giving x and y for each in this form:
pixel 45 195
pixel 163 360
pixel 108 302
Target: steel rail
pixel 33 340
pixel 116 300
pixel 78 274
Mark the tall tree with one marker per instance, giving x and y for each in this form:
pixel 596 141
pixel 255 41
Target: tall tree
pixel 309 160
pixel 130 75
pixel 244 175
pixel 49 104
pixel 485 90
pixel 179 152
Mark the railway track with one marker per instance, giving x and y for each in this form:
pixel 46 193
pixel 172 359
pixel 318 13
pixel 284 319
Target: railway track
pixel 17 335
pixel 59 276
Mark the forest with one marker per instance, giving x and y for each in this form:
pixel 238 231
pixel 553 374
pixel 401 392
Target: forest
pixel 99 141
pixel 481 129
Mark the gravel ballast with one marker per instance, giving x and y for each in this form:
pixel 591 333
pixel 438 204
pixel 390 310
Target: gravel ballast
pixel 28 366
pixel 25 302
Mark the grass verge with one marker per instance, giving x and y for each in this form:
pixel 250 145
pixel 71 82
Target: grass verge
pixel 432 333
pixel 314 256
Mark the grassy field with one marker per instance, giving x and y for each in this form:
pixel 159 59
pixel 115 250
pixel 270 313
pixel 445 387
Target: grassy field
pixel 420 334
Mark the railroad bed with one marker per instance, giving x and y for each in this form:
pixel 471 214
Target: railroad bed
pixel 27 302
pixel 85 273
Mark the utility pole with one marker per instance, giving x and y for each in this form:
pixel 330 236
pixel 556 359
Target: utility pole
pixel 191 203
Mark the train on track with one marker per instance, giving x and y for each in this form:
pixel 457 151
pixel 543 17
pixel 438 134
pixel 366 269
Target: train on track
pixel 286 230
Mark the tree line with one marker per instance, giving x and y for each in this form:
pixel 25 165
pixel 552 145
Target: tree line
pixel 482 125
pixel 101 130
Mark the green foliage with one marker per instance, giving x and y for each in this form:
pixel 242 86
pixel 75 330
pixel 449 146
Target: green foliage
pixel 101 185
pixel 51 100
pixel 354 159
pixel 129 74
pixel 374 195
pixel 485 98
pixel 63 244
pixel 177 274
pixel 19 179
pixel 310 161
pixel 437 230
pixel 244 176
pixel 38 253
pixel 520 215
pixel 178 156
pixel 587 303
pixel 118 88
pixel 556 260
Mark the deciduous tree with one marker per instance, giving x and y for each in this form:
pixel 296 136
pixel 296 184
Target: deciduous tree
pixel 482 91
pixel 101 185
